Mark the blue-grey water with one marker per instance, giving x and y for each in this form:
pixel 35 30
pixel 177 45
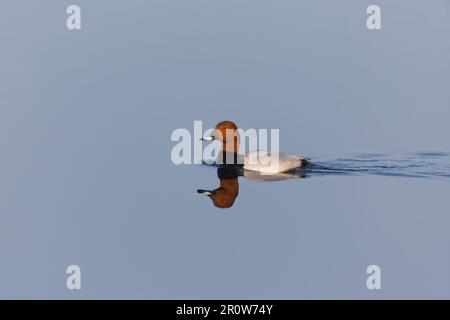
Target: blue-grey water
pixel 415 165
pixel 86 176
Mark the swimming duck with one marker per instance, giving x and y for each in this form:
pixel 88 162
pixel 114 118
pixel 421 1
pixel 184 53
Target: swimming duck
pixel 254 160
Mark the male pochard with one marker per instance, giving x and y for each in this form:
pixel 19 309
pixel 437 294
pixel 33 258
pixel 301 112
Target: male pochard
pixel 254 160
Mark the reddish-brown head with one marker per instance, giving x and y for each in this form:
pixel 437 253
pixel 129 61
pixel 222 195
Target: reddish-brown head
pixel 227 133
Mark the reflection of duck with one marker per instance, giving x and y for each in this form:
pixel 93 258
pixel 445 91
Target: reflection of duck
pixel 224 196
pixel 256 160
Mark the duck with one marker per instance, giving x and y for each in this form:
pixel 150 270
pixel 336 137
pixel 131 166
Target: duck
pixel 254 161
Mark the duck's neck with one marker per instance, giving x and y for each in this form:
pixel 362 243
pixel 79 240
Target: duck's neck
pixel 230 186
pixel 231 145
pixel 229 152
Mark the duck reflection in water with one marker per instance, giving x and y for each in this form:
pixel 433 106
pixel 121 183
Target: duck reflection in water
pixel 227 192
pixel 225 195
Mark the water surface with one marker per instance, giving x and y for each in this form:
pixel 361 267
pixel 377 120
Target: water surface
pixel 85 170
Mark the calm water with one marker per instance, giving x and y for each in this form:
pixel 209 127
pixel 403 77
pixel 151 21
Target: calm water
pixel 85 170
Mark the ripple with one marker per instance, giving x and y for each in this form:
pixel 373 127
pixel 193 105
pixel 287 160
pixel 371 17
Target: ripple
pixel 424 164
